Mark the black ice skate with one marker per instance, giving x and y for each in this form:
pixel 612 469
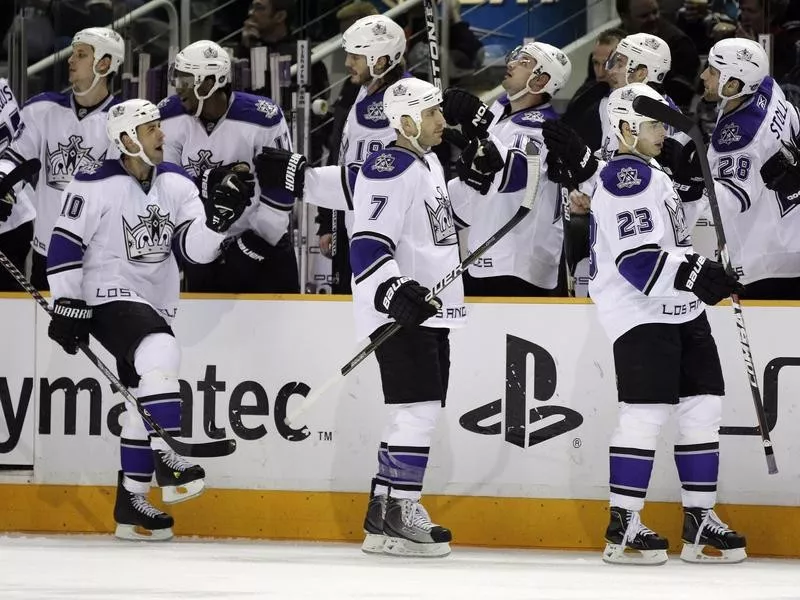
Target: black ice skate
pixel 630 542
pixel 703 530
pixel 409 531
pixel 137 519
pixel 373 525
pixel 178 479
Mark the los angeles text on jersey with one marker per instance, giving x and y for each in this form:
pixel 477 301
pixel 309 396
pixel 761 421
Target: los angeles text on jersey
pixel 683 308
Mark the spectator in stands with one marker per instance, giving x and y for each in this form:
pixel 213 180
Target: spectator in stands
pixel 642 16
pixel 784 26
pixel 707 21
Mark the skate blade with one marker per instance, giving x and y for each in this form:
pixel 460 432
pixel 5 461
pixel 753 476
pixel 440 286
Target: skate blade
pixel 617 554
pixel 373 543
pixel 707 554
pixel 402 547
pixel 172 494
pixel 135 533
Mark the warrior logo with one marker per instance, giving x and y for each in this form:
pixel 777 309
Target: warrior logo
pixel 197 166
pixel 729 134
pixel 443 227
pixel 628 177
pixel 268 108
pixel 66 159
pixel 383 163
pixel 151 240
pixel 374 112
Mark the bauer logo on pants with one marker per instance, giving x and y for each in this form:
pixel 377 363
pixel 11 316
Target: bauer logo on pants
pixel 524 425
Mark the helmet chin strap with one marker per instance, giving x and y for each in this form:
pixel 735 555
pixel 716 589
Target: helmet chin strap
pixel 526 90
pixel 140 153
pixel 97 77
pixel 414 139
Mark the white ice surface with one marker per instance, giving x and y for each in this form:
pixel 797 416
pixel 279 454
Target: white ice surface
pixel 100 567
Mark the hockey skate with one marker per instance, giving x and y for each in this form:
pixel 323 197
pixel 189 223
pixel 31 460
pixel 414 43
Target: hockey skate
pixel 630 542
pixel 137 519
pixel 178 479
pixel 704 530
pixel 374 537
pixel 409 531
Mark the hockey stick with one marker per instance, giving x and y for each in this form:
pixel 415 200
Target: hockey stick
pixel 433 44
pixel 661 112
pixel 567 250
pixel 522 212
pixel 24 171
pixel 202 450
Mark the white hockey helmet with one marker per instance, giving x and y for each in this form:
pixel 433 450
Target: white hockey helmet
pixel 375 36
pixel 620 107
pixel 104 42
pixel 549 60
pixel 643 49
pixel 742 59
pixel 409 97
pixel 200 60
pixel 125 117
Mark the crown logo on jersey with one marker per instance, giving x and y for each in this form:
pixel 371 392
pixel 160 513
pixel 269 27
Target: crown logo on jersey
pixel 151 240
pixel 443 227
pixel 267 108
pixel 374 112
pixel 628 177
pixel 400 90
pixel 383 163
pixel 683 235
pixel 744 54
pixel 533 116
pixel 379 29
pixel 652 43
pixel 66 159
pixel 729 134
pixel 197 166
pixel 210 52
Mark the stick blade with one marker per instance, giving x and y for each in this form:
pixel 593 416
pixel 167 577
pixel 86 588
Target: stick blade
pixel 213 449
pixel 659 111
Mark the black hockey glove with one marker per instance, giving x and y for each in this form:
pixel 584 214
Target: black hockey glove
pixel 282 169
pixel 567 147
pixel 706 279
pixel 462 108
pixel 403 299
pixel 227 203
pixel 684 163
pixel 478 164
pixel 781 173
pixel 70 324
pixel 210 179
pixel 557 172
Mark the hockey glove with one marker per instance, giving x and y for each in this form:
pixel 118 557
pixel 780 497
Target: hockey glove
pixel 462 108
pixel 557 172
pixel 684 162
pixel 403 299
pixel 282 169
pixel 567 147
pixel 210 179
pixel 706 279
pixel 7 202
pixel 227 203
pixel 478 164
pixel 781 173
pixel 70 324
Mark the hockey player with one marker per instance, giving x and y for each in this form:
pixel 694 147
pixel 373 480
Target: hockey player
pixel 525 262
pixel 212 132
pixel 755 123
pixel 651 290
pixel 404 240
pixel 113 273
pixel 66 131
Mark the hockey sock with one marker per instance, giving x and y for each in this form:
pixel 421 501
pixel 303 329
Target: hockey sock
pixel 408 447
pixel 697 449
pixel 632 452
pixel 136 458
pixel 383 477
pixel 157 359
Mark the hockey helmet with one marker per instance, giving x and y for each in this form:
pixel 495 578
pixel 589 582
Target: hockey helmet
pixel 375 36
pixel 549 60
pixel 620 107
pixel 742 59
pixel 643 49
pixel 125 117
pixel 104 42
pixel 200 60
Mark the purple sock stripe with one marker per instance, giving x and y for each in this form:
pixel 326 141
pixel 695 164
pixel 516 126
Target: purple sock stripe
pixel 698 468
pixel 384 466
pixel 630 472
pixel 166 414
pixel 407 466
pixel 137 463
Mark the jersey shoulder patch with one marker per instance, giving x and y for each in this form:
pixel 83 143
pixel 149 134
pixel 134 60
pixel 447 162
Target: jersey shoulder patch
pixel 171 107
pixel 388 163
pixel 50 97
pixel 535 117
pixel 369 111
pixel 737 130
pixel 258 110
pixel 168 167
pixel 626 176
pixel 100 170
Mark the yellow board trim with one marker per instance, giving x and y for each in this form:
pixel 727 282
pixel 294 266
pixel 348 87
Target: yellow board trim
pixel 337 516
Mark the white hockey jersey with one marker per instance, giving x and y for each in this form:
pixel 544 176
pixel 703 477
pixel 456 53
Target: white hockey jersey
pixel 405 224
pixel 532 250
pixel 762 230
pixel 11 127
pixel 250 124
pixel 116 241
pixel 638 237
pixel 65 137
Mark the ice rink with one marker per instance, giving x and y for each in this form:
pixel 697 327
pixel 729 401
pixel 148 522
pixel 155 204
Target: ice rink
pixel 102 568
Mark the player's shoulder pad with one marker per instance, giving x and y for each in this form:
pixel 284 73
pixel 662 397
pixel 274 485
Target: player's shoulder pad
pixel 738 129
pixel 258 110
pixel 369 111
pixel 534 117
pixel 389 163
pixel 626 175
pixel 97 171
pixel 168 167
pixel 50 98
pixel 171 107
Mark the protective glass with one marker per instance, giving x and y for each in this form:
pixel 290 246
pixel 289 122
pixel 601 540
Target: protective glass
pixel 518 57
pixel 617 60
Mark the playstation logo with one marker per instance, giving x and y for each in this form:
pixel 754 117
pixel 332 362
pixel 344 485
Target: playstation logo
pixel 524 426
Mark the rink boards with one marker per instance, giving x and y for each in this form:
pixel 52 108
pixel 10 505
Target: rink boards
pixel 520 457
